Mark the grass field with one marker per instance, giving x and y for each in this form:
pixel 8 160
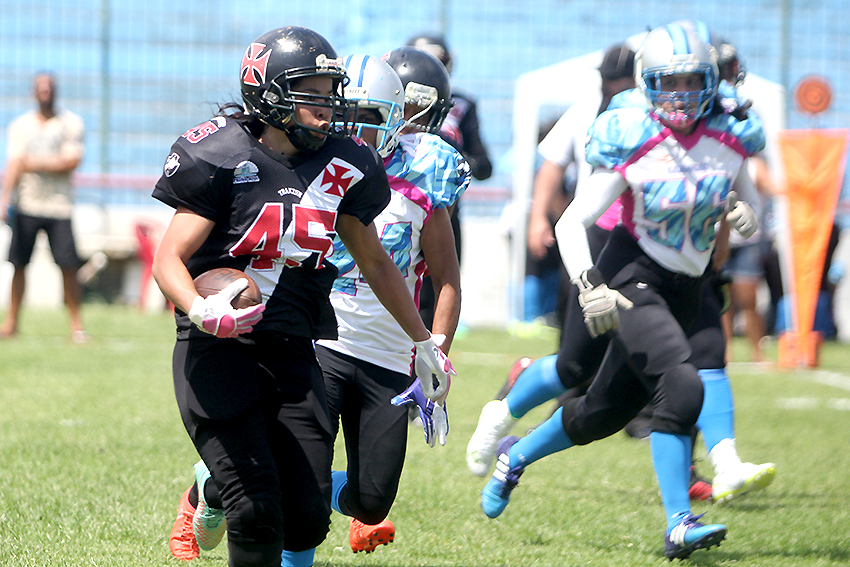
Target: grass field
pixel 93 459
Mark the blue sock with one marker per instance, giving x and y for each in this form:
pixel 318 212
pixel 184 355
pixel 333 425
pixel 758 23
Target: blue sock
pixel 717 418
pixel 538 384
pixel 548 438
pixel 338 481
pixel 532 292
pixel 671 457
pixel 297 558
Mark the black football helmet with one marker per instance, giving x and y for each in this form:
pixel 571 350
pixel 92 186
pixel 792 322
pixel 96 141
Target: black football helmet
pixel 270 67
pixel 426 84
pixel 436 46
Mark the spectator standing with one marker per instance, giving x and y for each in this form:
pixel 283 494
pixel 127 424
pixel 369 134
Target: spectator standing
pixel 563 147
pixel 45 147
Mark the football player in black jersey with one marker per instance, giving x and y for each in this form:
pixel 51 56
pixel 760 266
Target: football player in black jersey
pixel 264 188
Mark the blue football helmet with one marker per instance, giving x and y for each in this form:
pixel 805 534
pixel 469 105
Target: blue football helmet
pixel 672 50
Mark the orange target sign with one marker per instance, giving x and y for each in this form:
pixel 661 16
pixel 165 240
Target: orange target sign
pixel 813 95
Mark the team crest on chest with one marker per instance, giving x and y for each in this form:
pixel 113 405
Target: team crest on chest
pixel 246 172
pixel 337 176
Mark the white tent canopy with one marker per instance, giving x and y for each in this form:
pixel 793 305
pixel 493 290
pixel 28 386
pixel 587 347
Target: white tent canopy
pixel 561 85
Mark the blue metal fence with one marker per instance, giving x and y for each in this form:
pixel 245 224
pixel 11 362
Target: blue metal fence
pixel 141 72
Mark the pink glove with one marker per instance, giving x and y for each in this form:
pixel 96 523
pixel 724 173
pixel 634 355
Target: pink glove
pixel 216 316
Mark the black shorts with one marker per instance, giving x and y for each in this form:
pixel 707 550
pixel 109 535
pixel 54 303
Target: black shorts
pixel 25 228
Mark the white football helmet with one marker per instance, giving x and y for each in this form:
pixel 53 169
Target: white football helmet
pixel 375 85
pixel 672 50
pixel 727 53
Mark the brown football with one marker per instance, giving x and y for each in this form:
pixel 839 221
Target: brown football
pixel 213 281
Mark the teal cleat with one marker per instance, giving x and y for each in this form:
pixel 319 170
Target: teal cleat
pixel 208 524
pixel 689 535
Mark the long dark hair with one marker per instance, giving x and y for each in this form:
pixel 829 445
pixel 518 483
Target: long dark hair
pixel 236 111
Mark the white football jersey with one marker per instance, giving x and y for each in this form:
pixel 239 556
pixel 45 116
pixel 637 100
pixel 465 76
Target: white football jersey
pixel 425 174
pixel 678 185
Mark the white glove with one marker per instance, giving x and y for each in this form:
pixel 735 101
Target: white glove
pixel 440 416
pixel 599 305
pixel 433 368
pixel 216 316
pixel 435 419
pixel 741 216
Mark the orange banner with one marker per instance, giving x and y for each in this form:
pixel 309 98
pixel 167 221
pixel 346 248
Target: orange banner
pixel 814 168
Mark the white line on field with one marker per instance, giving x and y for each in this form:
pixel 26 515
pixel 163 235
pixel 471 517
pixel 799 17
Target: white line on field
pixel 825 377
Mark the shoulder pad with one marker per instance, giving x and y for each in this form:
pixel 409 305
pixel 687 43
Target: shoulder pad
pixel 748 132
pixel 631 98
pixel 617 134
pixel 433 165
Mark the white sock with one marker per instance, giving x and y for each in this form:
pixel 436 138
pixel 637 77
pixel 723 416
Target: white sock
pixel 724 456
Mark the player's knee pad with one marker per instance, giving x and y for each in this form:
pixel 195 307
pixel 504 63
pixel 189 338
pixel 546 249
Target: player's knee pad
pixel 256 520
pixel 243 554
pixel 681 401
pixel 577 365
pixel 584 426
pixel 373 509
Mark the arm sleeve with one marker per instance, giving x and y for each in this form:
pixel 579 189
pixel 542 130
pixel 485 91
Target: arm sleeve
pixel 600 191
pixel 557 147
pixel 73 146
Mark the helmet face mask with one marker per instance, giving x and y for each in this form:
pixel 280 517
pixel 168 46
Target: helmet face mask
pixel 271 69
pixel 375 86
pixel 426 85
pixel 670 51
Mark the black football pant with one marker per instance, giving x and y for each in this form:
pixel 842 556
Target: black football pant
pixel 646 358
pixel 375 431
pixel 256 411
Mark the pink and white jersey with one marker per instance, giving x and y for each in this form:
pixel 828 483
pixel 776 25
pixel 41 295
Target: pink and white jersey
pixel 678 184
pixel 425 174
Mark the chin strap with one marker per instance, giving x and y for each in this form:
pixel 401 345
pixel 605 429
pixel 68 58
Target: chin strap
pixel 302 139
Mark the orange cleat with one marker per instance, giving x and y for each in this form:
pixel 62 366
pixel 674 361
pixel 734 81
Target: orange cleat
pixel 364 537
pixel 182 542
pixel 700 489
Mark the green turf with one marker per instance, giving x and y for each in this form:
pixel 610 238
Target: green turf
pixel 93 460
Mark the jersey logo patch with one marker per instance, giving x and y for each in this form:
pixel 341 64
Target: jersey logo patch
pixel 334 175
pixel 172 163
pixel 246 172
pixel 253 70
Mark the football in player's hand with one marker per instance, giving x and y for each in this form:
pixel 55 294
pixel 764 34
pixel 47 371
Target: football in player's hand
pixel 213 281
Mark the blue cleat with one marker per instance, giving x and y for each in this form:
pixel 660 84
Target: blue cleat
pixel 689 535
pixel 497 491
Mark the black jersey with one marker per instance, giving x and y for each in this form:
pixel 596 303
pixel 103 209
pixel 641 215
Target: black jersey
pixel 275 216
